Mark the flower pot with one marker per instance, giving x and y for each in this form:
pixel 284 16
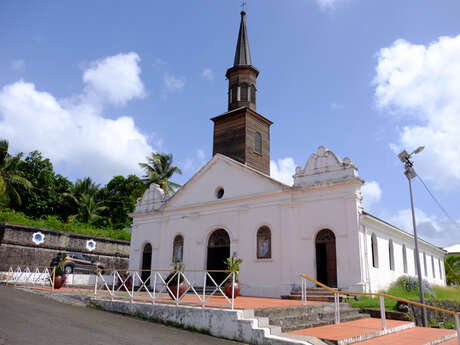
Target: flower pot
pixel 59 281
pixel 228 289
pixel 173 287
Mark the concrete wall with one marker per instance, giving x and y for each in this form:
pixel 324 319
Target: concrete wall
pixel 17 247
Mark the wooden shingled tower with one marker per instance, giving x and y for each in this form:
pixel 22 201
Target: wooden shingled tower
pixel 241 133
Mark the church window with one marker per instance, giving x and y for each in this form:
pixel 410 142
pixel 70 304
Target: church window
pixel 375 251
pixel 404 256
pixel 424 265
pixel 252 95
pixel 258 143
pixel 244 92
pixel 178 249
pixel 415 261
pixel 219 192
pixel 440 269
pixel 391 255
pixel 264 243
pixel 432 266
pixel 234 93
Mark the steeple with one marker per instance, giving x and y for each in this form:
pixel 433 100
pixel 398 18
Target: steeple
pixel 242 75
pixel 241 133
pixel 242 54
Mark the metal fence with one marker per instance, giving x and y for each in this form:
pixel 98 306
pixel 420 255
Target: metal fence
pixel 184 287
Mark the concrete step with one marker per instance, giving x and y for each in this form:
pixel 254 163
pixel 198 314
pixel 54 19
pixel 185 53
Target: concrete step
pixel 358 331
pixel 291 323
pixel 316 298
pixel 300 310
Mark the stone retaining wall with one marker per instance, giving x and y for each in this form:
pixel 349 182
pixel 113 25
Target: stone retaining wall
pixel 435 318
pixel 18 248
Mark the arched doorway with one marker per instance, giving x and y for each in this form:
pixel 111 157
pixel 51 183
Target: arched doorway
pixel 218 251
pixel 326 260
pixel 146 261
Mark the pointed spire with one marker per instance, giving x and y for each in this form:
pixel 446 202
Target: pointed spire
pixel 242 54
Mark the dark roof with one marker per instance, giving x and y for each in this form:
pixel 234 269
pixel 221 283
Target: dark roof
pixel 242 54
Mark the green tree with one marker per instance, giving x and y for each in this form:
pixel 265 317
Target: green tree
pixel 83 193
pixel 120 195
pixel 47 195
pixel 159 170
pixel 11 180
pixel 452 267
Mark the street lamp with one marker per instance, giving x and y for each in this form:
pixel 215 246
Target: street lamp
pixel 410 174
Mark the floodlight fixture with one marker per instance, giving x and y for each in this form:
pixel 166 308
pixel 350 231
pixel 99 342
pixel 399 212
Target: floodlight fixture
pixel 417 150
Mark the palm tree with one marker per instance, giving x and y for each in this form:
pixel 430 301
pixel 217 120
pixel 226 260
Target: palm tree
pixel 10 178
pixel 83 194
pixel 452 267
pixel 159 170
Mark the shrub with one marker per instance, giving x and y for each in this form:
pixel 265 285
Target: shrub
pixel 410 284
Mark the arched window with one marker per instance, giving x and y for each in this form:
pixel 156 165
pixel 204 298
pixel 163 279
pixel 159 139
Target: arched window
pixel 234 93
pixel 424 265
pixel 258 142
pixel 440 269
pixel 178 249
pixel 375 251
pixel 391 255
pixel 252 90
pixel 264 243
pixel 415 262
pixel 244 92
pixel 432 266
pixel 404 255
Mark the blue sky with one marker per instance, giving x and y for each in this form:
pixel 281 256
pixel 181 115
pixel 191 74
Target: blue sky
pixel 96 86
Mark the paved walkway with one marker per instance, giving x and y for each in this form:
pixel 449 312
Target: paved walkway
pixel 32 319
pixel 349 329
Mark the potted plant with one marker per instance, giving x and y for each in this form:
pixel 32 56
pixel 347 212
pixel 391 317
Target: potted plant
pixel 233 264
pixel 59 273
pixel 175 281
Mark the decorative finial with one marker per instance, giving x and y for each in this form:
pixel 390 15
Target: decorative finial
pixel 244 6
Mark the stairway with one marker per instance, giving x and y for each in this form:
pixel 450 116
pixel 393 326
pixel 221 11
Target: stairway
pixel 313 294
pixel 368 331
pixel 300 317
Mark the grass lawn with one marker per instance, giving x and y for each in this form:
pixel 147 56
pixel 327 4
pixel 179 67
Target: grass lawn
pixel 442 293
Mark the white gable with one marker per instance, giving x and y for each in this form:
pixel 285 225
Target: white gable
pixel 236 179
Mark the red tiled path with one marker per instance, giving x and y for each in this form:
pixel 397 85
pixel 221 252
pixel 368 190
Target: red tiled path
pixel 412 336
pixel 350 329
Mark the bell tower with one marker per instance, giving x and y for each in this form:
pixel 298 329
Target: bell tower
pixel 241 133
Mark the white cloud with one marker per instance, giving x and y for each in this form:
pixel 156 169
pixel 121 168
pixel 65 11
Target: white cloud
pixel 17 65
pixel 173 83
pixel 441 232
pixel 192 164
pixel 115 79
pixel 420 84
pixel 73 133
pixel 283 169
pixel 326 5
pixel 208 74
pixel 371 193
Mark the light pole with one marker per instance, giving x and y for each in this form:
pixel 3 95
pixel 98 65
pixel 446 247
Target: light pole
pixel 410 174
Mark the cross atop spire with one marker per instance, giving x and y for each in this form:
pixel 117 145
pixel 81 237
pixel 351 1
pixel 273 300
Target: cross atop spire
pixel 242 54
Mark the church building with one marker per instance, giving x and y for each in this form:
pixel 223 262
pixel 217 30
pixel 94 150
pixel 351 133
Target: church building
pixel 232 206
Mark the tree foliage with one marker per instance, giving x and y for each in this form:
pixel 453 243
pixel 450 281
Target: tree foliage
pixel 452 267
pixel 159 170
pixel 11 179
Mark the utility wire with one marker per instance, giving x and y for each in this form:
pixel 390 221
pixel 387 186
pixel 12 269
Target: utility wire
pixel 457 225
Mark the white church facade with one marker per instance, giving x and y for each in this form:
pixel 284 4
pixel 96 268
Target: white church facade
pixel 232 206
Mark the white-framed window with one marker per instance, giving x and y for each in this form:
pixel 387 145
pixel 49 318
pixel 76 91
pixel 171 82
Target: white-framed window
pixel 178 249
pixel 375 251
pixel 404 256
pixel 391 255
pixel 264 243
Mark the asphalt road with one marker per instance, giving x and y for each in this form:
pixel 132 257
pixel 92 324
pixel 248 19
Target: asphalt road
pixel 27 318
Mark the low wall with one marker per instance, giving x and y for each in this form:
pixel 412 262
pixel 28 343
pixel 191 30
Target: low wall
pixel 18 248
pixel 239 325
pixel 435 318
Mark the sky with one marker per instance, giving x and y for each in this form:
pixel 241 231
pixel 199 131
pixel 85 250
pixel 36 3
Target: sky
pixel 97 86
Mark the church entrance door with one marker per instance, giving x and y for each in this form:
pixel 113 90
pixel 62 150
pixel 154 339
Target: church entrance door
pixel 146 261
pixel 218 251
pixel 326 260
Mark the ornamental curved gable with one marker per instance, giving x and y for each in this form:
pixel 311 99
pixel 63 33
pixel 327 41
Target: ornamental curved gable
pixel 152 199
pixel 324 166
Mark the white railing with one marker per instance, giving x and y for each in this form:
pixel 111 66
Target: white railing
pixel 154 286
pixel 41 276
